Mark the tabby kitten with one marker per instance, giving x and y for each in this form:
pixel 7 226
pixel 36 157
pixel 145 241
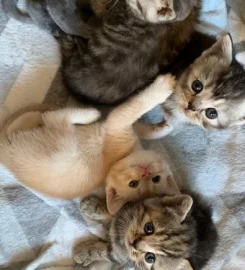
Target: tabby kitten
pixel 209 93
pixel 67 153
pixel 157 233
pixel 130 42
pixel 124 42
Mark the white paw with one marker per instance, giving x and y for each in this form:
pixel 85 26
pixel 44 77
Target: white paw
pixel 164 86
pixel 92 114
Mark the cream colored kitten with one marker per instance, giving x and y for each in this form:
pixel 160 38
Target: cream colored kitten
pixel 62 153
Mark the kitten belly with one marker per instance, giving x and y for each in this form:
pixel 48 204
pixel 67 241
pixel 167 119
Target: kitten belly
pixel 58 170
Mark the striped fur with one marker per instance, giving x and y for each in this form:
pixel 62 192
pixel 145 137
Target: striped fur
pixel 125 51
pixel 183 230
pixel 223 79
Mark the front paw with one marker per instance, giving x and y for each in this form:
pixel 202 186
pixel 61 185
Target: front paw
pixel 94 208
pixel 164 86
pixel 89 204
pixel 83 256
pixel 90 251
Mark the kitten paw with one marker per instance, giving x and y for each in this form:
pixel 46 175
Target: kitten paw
pixel 152 131
pixel 83 257
pixel 89 252
pixel 92 114
pixel 164 86
pixel 94 208
pixel 89 203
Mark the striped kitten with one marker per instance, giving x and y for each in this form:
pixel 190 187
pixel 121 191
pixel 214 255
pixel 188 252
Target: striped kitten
pixel 119 46
pixel 210 92
pixel 130 43
pixel 157 233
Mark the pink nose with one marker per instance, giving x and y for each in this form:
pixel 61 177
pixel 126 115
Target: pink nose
pixel 146 171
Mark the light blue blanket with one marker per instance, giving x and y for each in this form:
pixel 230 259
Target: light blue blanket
pixel 39 233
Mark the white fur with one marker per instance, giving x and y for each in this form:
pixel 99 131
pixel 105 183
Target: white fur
pixel 150 10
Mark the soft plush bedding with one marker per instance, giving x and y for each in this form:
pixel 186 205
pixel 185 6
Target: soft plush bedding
pixel 37 232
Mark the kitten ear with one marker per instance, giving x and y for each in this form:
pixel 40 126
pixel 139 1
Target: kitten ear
pixel 27 120
pixel 113 200
pixel 172 188
pixel 227 47
pixel 180 203
pixel 222 48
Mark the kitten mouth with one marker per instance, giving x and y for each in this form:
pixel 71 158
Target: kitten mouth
pixel 165 11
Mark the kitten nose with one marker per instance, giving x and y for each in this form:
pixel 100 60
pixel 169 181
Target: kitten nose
pixel 134 244
pixel 191 107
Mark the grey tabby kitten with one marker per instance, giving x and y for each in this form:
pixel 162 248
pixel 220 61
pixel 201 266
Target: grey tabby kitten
pixel 122 46
pixel 157 233
pixel 209 93
pixel 53 16
pixel 131 41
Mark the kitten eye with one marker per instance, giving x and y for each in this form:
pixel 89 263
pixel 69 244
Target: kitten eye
pixel 211 113
pixel 150 257
pixel 149 228
pixel 197 86
pixel 156 179
pixel 133 183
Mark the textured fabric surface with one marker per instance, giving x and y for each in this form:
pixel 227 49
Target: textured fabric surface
pixel 37 232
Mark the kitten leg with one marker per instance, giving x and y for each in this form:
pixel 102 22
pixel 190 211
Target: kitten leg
pixel 91 251
pixel 74 116
pixel 11 9
pixel 152 131
pixel 96 216
pixel 39 14
pixel 67 15
pixel 129 112
pixel 34 119
pixel 27 120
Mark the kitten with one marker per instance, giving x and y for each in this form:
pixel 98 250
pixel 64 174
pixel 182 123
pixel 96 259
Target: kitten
pixel 63 153
pixel 157 233
pixel 130 43
pixel 210 93
pixel 124 42
pixel 53 16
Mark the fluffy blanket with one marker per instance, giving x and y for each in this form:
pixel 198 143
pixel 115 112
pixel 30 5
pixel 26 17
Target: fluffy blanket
pixel 37 232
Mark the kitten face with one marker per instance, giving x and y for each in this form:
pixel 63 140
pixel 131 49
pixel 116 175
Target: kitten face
pixel 155 233
pixel 142 174
pixel 211 93
pixel 157 11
